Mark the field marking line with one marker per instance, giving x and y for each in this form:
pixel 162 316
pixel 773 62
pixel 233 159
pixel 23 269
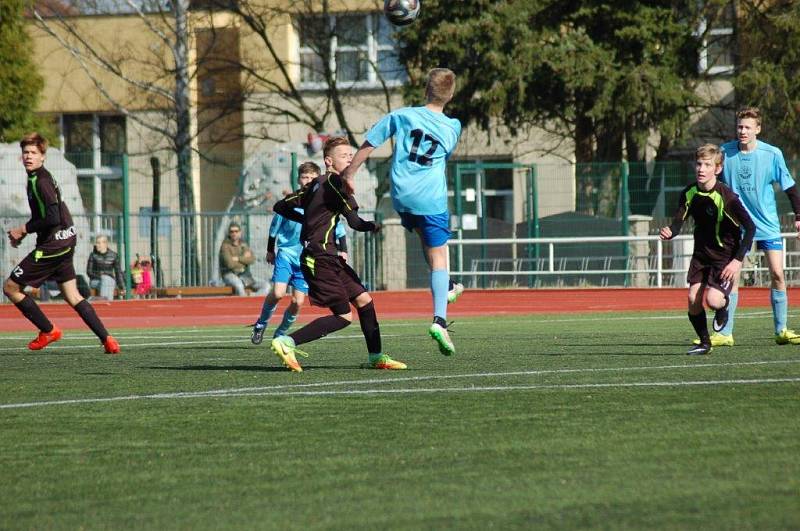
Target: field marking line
pixel 408 390
pixel 121 333
pixel 289 388
pixel 414 390
pixel 243 339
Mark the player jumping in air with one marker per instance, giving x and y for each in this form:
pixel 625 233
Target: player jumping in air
pixel 424 140
pixel 719 245
pixel 52 258
pixel 751 167
pixel 286 264
pixel 332 283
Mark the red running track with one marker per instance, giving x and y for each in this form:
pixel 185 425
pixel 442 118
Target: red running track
pixel 411 304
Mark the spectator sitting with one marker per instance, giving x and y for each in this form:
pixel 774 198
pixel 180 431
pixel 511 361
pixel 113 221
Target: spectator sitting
pixel 104 271
pixel 235 258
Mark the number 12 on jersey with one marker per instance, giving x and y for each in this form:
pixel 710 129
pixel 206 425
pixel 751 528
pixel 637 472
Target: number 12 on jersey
pixel 427 159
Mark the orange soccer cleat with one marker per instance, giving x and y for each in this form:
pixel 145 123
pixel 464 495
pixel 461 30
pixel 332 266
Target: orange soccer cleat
pixel 45 338
pixel 111 345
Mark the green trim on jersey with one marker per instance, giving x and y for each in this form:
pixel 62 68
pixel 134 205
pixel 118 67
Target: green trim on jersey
pixel 718 201
pixel 39 254
pixel 310 263
pixel 42 208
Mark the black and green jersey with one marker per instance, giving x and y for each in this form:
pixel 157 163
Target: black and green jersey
pixel 723 229
pixel 322 200
pixel 50 217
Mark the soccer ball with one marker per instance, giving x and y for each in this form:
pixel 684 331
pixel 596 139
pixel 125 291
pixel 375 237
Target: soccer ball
pixel 401 12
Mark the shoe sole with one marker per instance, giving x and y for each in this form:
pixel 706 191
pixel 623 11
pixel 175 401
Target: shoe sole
pixel 256 338
pixel 385 367
pixel 444 348
pixel 287 362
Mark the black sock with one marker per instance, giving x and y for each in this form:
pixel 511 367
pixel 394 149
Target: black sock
pixel 318 328
pixel 441 322
pixel 370 327
pixel 34 314
pixel 450 285
pixel 89 317
pixel 700 326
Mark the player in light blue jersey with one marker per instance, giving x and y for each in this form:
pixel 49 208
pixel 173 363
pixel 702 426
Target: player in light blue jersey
pixel 286 264
pixel 751 167
pixel 424 138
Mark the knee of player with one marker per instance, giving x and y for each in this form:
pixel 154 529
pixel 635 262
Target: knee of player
pixel 10 287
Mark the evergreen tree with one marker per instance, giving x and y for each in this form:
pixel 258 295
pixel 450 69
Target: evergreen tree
pixel 20 82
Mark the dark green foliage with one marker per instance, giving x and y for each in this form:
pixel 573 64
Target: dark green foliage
pixel 603 74
pixel 20 81
pixel 768 76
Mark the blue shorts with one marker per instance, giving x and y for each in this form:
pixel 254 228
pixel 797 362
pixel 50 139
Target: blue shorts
pixel 773 244
pixel 287 271
pixel 435 229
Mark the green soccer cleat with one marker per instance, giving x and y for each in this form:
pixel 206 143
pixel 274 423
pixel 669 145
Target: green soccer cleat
pixel 787 337
pixel 386 363
pixel 719 340
pixel 455 293
pixel 440 335
pixel 284 348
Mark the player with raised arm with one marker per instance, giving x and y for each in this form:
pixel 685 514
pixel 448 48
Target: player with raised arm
pixel 424 139
pixel 53 256
pixel 332 283
pixel 719 244
pixel 750 168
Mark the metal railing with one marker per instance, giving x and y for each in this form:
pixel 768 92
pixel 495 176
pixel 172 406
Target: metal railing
pixel 654 259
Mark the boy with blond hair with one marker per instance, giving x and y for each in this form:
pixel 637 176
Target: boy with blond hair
pixel 332 283
pixel 424 138
pixel 719 245
pixel 751 169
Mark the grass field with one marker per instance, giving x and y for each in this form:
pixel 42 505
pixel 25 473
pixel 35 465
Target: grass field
pixel 563 421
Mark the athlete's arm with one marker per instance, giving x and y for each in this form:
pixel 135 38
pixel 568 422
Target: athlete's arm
pixel 746 222
pixel 794 198
pixel 670 231
pixel 359 158
pixel 285 208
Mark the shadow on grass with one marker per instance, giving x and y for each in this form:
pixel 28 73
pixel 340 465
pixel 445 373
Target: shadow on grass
pixel 252 368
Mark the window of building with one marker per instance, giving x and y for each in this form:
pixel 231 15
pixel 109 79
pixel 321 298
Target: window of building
pixel 359 48
pixel 95 143
pixel 718 47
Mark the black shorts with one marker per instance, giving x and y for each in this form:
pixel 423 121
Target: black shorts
pixel 39 266
pixel 706 272
pixel 331 281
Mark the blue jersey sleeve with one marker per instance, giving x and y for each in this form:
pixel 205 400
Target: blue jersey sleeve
pixel 340 229
pixel 781 172
pixel 275 226
pixel 381 131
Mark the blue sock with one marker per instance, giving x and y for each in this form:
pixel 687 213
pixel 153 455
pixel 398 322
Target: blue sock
pixel 266 313
pixel 440 284
pixel 375 356
pixel 780 307
pixel 286 324
pixel 733 300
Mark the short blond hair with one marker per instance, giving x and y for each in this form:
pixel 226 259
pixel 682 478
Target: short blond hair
pixel 750 112
pixel 332 143
pixel 709 151
pixel 441 86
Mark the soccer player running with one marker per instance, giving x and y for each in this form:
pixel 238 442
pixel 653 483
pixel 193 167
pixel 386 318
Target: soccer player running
pixel 719 245
pixel 286 264
pixel 332 283
pixel 424 139
pixel 52 258
pixel 751 167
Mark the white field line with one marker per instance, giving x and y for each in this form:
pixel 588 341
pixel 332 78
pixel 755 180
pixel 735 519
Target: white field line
pixel 143 334
pixel 235 340
pixel 298 389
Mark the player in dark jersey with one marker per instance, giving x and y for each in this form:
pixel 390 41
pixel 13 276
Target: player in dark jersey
pixel 719 244
pixel 52 257
pixel 331 282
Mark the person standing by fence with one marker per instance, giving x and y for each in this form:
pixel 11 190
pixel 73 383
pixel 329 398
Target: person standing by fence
pixel 751 166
